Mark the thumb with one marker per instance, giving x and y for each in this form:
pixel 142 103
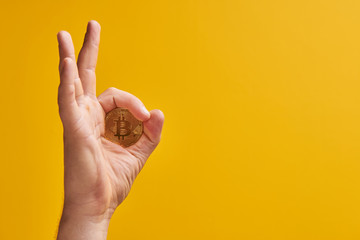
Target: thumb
pixel 150 138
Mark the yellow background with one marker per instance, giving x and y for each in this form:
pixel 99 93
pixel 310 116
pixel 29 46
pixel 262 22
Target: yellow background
pixel 261 138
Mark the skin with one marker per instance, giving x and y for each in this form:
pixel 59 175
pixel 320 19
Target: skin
pixel 98 173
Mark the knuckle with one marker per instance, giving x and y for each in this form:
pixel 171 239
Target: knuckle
pixel 109 90
pixel 112 89
pixel 125 96
pixel 94 44
pixel 64 94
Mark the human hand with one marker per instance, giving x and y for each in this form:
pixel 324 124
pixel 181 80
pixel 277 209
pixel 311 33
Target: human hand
pixel 98 173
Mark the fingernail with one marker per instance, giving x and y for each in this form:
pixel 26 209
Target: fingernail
pixel 145 111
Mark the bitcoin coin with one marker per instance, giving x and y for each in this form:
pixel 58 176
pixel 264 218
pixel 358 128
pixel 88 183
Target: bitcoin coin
pixel 122 127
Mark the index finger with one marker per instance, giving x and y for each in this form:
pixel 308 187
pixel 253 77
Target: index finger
pixel 112 98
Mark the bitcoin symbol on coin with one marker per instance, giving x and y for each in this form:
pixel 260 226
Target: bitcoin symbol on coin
pixel 122 127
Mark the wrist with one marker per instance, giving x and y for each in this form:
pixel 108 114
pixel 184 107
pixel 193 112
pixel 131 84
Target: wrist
pixel 77 226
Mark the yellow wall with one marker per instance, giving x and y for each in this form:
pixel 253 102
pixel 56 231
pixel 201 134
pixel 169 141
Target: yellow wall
pixel 261 138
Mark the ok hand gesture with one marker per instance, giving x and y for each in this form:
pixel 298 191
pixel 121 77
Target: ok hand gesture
pixel 98 173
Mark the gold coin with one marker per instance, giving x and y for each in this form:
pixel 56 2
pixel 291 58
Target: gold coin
pixel 122 127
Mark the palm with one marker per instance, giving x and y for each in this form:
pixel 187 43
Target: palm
pixel 98 172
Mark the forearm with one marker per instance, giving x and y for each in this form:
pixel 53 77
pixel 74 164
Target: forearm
pixel 77 227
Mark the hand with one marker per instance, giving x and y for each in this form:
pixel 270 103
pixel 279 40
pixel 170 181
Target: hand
pixel 98 173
